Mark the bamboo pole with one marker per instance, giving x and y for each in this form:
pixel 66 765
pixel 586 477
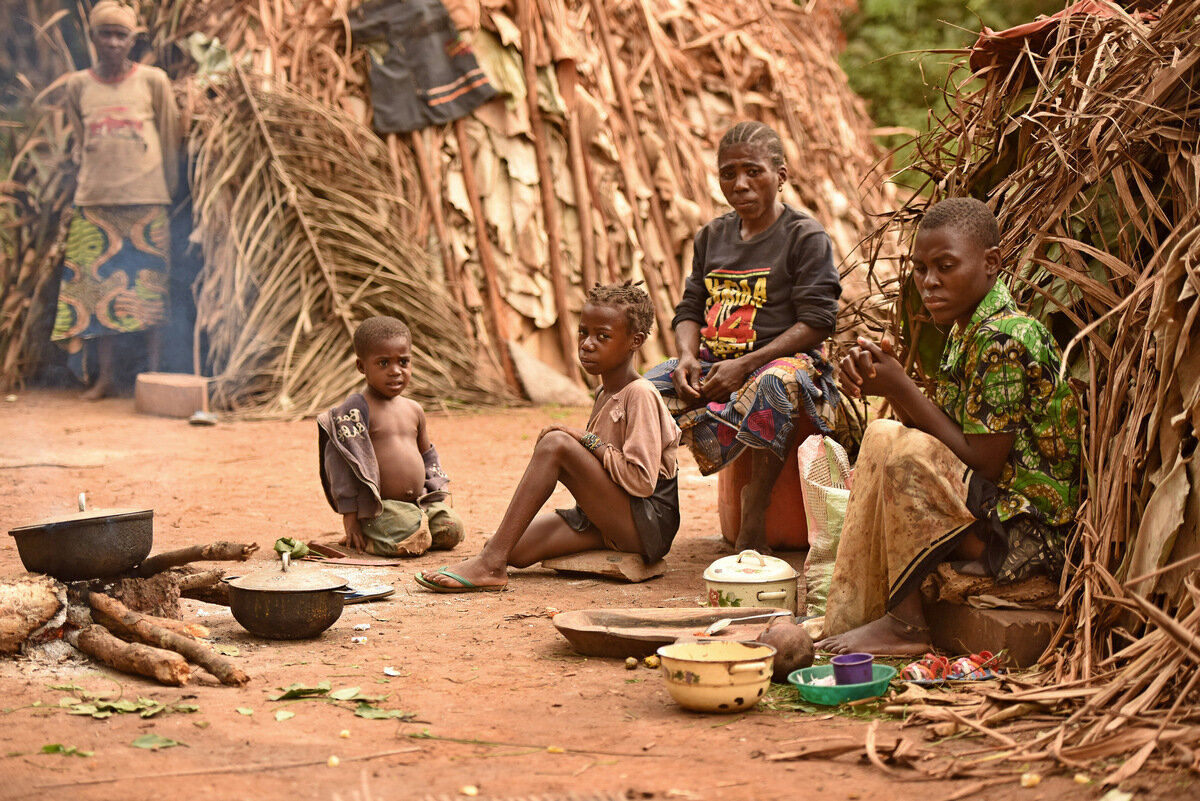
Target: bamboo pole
pixel 496 315
pixel 434 198
pixel 577 152
pixel 550 210
pixel 643 163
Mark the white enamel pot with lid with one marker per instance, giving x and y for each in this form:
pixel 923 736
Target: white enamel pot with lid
pixel 751 579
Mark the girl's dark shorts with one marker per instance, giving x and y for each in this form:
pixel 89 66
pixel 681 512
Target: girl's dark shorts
pixel 656 518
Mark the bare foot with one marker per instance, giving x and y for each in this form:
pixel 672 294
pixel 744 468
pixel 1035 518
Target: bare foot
pixel 884 636
pixel 345 540
pixel 752 527
pixel 752 535
pixel 96 391
pixel 473 570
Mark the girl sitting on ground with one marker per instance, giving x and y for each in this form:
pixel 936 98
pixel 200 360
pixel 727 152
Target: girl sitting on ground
pixel 986 472
pixel 621 468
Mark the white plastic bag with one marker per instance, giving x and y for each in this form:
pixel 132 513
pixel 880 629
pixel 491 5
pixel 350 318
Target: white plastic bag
pixel 825 476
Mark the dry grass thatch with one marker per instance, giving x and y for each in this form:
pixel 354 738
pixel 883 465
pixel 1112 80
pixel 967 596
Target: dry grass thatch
pixel 1087 150
pixel 318 246
pixel 603 173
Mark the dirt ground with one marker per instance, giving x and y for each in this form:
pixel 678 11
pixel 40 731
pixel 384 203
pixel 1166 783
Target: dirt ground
pixel 501 703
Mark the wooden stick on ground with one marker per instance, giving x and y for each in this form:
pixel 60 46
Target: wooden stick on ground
pixel 165 667
pixel 304 763
pixel 205 585
pixel 146 631
pixel 213 552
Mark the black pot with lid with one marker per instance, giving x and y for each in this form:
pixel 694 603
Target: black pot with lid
pixel 287 602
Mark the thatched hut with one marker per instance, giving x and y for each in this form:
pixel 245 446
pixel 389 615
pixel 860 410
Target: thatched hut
pixel 310 221
pixel 1081 132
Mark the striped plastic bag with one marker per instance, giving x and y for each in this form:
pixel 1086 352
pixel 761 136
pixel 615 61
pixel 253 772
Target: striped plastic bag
pixel 825 475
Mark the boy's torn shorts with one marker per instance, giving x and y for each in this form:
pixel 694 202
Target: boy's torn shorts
pixel 400 531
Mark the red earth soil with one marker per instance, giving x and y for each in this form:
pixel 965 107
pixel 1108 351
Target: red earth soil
pixel 502 704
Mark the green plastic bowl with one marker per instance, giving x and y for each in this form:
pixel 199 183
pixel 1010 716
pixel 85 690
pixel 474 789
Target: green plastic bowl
pixel 836 694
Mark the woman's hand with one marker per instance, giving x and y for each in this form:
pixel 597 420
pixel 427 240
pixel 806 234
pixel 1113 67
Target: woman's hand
pixel 724 379
pixel 686 378
pixel 872 369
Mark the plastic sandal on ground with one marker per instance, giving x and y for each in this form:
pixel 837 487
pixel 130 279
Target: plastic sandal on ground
pixel 930 668
pixel 975 667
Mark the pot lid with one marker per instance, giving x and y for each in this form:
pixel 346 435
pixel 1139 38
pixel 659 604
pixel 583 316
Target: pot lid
pixel 749 567
pixel 90 516
pixel 297 578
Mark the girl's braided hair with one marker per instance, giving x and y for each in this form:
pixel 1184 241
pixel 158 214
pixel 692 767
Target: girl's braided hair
pixel 631 299
pixel 755 133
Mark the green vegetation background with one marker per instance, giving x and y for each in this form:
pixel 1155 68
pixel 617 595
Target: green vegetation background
pixel 886 59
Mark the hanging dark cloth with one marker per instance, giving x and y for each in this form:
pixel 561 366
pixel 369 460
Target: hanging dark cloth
pixel 428 75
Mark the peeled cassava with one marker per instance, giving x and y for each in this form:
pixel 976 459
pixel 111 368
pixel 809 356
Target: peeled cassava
pixel 793 647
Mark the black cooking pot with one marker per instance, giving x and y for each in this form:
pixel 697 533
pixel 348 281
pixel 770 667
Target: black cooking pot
pixel 86 545
pixel 286 603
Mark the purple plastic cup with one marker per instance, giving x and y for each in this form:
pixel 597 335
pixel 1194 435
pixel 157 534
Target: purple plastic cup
pixel 853 668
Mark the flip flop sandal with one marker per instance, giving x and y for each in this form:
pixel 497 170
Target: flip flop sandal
pixel 464 584
pixel 974 667
pixel 931 668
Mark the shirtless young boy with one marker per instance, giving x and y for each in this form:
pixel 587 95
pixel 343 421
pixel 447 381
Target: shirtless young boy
pixel 378 467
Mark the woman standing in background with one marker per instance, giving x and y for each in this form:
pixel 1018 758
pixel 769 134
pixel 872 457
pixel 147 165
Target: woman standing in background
pixel 126 130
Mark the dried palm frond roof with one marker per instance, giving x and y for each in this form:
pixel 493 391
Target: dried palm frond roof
pixel 1087 149
pixel 317 247
pixel 632 99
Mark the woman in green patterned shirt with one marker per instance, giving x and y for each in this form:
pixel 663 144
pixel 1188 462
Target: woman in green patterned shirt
pixel 987 471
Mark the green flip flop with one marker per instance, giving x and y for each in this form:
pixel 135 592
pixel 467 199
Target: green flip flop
pixel 465 585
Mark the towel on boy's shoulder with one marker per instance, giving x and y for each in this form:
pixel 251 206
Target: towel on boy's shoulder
pixel 350 479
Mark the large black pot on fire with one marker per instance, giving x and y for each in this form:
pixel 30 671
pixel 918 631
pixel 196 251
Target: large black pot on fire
pixel 286 602
pixel 86 545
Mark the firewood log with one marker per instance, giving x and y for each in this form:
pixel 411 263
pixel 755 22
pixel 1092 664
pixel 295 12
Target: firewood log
pixel 156 635
pixel 165 667
pixel 213 552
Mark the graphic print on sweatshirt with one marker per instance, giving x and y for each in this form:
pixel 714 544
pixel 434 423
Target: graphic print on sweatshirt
pixel 734 298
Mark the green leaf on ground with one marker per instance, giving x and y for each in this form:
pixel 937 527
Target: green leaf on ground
pixel 344 694
pixel 100 708
pixel 375 713
pixel 65 750
pixel 153 742
pixel 284 714
pixel 301 691
pixel 244 710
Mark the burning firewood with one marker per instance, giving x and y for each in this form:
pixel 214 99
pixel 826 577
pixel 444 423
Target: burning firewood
pixel 131 623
